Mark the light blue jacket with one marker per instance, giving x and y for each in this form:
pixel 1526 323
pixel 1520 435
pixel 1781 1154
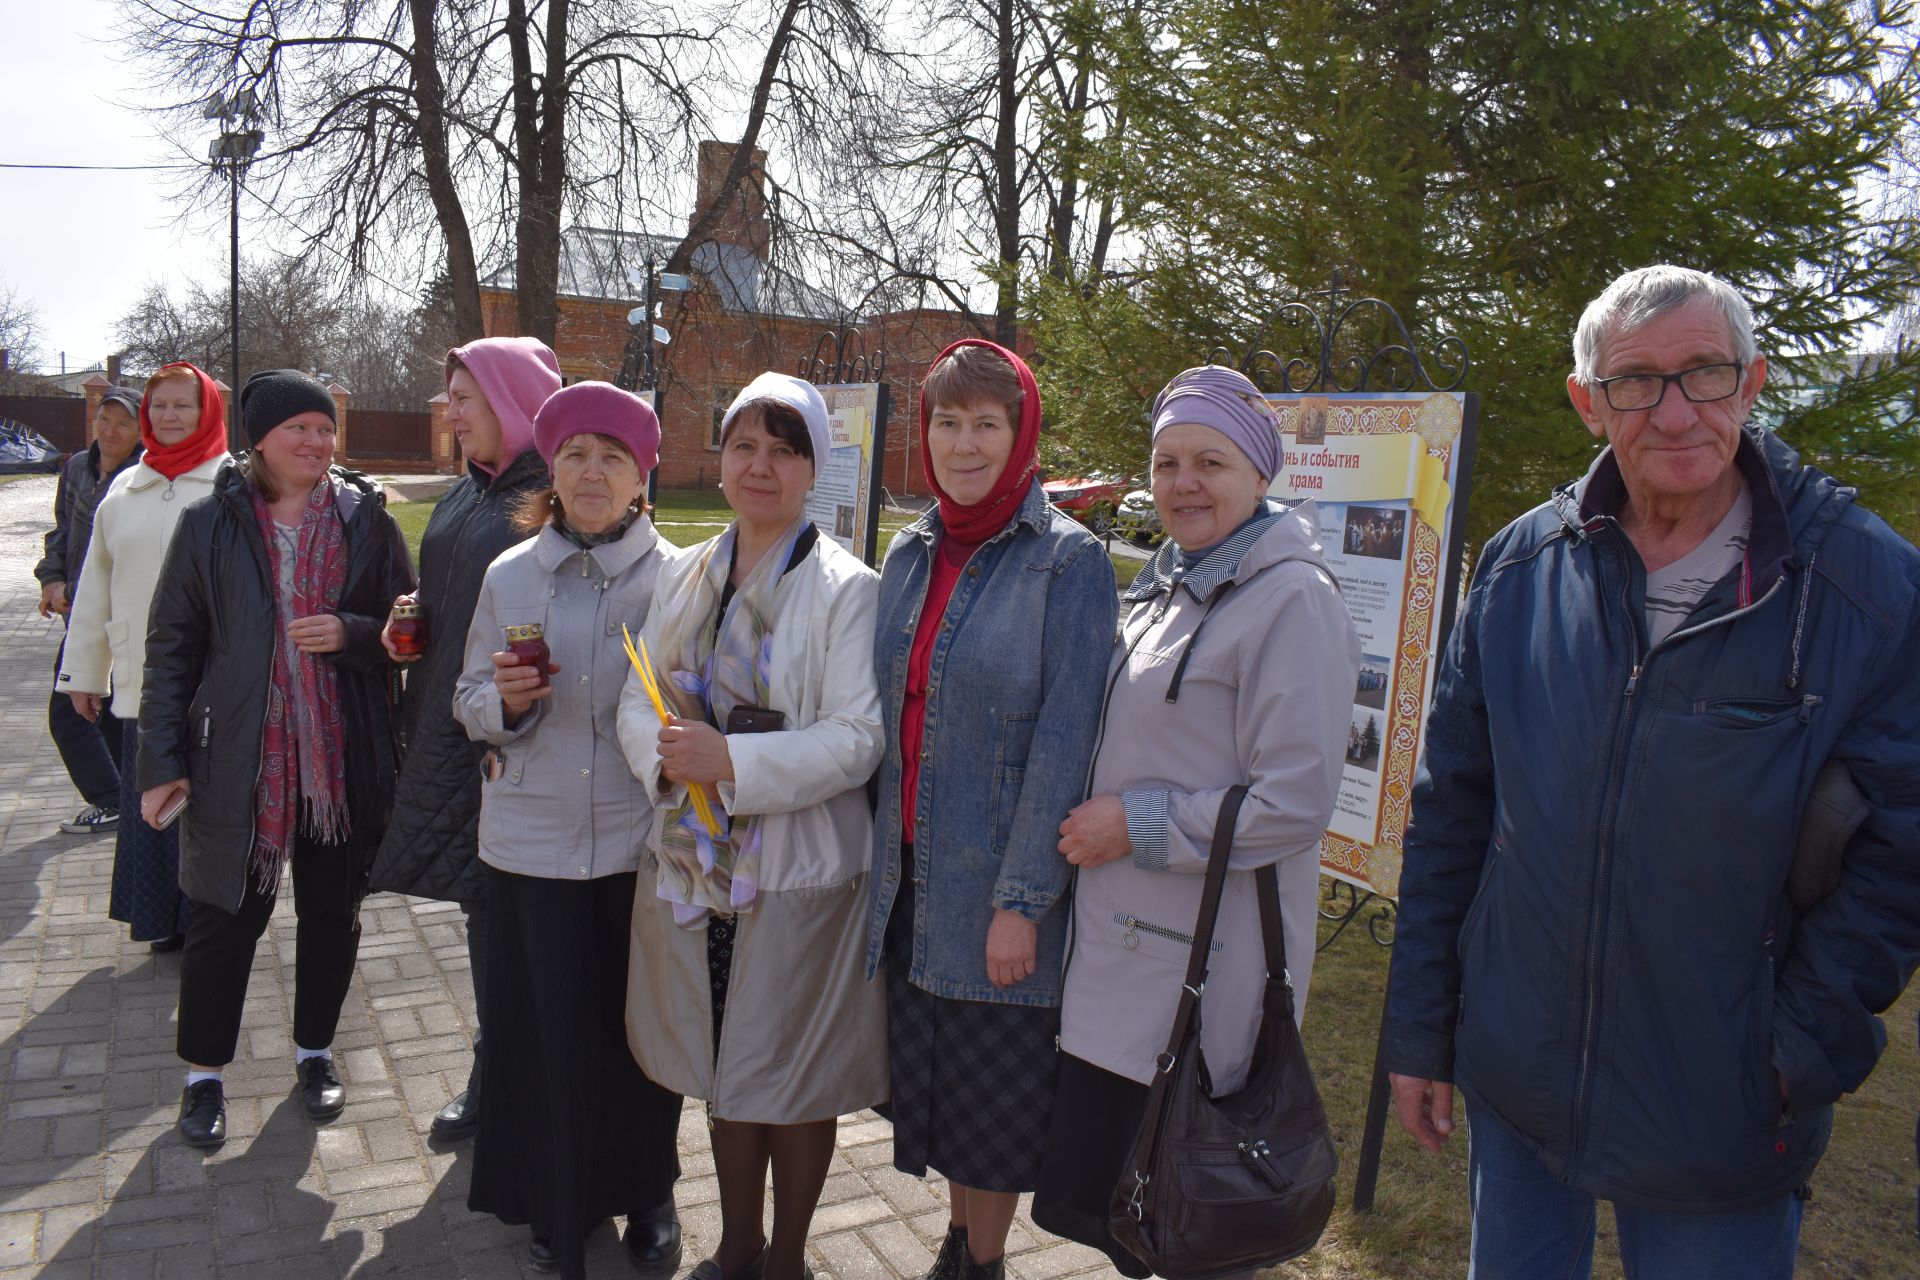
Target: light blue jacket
pixel 1013 706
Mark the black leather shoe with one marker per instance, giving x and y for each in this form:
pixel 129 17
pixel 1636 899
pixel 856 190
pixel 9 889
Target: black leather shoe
pixel 542 1255
pixel 203 1114
pixel 320 1090
pixel 653 1240
pixel 160 946
pixel 458 1120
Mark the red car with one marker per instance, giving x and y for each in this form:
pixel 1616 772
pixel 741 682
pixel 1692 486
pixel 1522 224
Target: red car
pixel 1091 500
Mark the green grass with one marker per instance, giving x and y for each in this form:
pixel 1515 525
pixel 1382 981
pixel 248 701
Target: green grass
pixel 1860 1222
pixel 687 516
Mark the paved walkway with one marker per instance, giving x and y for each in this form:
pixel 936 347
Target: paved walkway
pixel 93 1181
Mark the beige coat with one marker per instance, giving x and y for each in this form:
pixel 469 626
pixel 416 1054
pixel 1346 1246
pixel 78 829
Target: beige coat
pixel 1266 700
pixel 804 1037
pixel 107 631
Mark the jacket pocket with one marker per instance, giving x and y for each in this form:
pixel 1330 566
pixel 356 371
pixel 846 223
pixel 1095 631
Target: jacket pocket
pixel 1764 1083
pixel 1757 713
pixel 118 633
pixel 199 741
pixel 1009 773
pixel 1479 899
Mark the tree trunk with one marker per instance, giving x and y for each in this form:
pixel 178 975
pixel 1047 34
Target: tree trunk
pixel 742 163
pixel 539 135
pixel 1006 212
pixel 430 109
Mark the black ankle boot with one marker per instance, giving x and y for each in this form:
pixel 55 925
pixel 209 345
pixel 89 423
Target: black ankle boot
pixel 971 1270
pixel 952 1257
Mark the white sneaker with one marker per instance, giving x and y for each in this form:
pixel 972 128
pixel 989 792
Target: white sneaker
pixel 94 820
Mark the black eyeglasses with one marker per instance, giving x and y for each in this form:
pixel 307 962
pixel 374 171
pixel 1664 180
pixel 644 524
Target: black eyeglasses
pixel 1703 385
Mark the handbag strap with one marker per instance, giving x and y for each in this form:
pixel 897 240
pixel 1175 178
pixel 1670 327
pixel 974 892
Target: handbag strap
pixel 1133 1182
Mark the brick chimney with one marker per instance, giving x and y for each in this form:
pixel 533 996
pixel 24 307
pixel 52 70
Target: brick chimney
pixel 113 369
pixel 743 219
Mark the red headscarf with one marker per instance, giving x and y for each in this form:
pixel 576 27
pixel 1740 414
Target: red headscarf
pixel 979 521
pixel 205 442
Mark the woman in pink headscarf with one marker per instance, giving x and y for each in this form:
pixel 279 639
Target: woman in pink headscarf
pixel 494 387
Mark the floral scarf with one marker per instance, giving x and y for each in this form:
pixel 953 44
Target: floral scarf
pixel 710 671
pixel 301 747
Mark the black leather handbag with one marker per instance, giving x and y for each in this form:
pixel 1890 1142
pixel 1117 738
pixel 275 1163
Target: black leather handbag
pixel 1215 1186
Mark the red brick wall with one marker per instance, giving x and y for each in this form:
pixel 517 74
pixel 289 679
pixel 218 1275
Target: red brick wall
pixel 715 352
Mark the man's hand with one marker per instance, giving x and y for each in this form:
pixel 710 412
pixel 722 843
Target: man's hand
pixel 87 704
pixel 386 638
pixel 1096 832
pixel 321 633
pixel 1425 1108
pixel 53 599
pixel 694 751
pixel 1012 943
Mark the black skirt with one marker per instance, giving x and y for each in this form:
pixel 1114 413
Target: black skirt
pixel 571 1133
pixel 146 863
pixel 1096 1116
pixel 973 1082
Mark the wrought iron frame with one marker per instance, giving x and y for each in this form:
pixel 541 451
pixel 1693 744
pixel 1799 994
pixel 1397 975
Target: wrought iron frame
pixel 1399 362
pixel 1379 927
pixel 843 368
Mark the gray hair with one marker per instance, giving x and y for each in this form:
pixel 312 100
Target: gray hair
pixel 1646 293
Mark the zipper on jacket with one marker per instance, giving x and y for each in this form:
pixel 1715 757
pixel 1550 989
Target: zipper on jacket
pixel 1136 925
pixel 1584 1080
pixel 206 727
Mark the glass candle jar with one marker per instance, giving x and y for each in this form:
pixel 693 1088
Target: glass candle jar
pixel 528 643
pixel 407 628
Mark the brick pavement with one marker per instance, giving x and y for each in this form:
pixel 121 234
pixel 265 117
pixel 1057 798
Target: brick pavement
pixel 93 1181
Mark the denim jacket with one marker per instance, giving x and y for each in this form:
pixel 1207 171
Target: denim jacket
pixel 1017 675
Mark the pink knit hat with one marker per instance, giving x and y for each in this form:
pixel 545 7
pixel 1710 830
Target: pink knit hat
pixel 602 409
pixel 516 375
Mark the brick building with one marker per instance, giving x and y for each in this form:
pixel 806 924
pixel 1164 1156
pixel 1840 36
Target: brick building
pixel 745 314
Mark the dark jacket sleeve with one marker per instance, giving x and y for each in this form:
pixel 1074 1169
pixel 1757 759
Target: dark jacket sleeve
pixel 1854 952
pixel 1446 845
pixel 177 642
pixel 53 564
pixel 363 649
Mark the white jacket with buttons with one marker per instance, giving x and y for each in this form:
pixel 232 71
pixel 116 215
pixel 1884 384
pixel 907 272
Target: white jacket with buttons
pixel 562 803
pixel 107 630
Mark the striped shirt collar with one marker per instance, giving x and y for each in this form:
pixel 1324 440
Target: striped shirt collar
pixel 1218 566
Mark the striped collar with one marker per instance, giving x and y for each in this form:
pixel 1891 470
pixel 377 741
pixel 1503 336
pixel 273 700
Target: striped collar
pixel 1201 581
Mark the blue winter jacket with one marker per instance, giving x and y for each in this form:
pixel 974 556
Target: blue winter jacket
pixel 1013 706
pixel 1595 940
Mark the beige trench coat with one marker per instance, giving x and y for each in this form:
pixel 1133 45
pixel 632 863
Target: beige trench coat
pixel 805 1034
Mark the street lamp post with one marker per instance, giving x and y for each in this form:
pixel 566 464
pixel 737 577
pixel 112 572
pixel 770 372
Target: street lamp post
pixel 238 142
pixel 637 370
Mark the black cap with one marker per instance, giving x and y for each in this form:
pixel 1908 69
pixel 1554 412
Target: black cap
pixel 274 395
pixel 126 397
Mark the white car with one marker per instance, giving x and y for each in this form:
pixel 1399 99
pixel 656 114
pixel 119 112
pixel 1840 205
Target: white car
pixel 1136 520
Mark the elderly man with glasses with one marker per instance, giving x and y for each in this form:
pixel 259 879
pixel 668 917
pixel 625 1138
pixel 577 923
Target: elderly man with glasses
pixel 1663 869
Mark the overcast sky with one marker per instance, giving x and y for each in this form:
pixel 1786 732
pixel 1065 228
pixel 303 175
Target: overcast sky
pixel 82 246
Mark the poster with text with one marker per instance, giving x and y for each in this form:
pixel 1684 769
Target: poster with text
pixel 1386 472
pixel 843 502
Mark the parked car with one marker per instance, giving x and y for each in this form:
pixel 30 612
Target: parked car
pixel 1092 499
pixel 1136 520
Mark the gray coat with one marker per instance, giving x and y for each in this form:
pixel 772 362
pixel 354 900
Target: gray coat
pixel 1265 699
pixel 563 803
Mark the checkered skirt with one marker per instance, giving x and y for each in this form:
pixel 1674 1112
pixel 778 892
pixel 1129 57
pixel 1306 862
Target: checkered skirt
pixel 973 1082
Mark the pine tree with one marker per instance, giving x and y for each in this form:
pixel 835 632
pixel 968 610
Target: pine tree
pixel 1486 168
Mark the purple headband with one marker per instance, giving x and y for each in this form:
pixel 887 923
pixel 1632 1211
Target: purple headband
pixel 1226 400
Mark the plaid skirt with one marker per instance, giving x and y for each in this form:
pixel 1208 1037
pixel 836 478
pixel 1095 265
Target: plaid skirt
pixel 973 1082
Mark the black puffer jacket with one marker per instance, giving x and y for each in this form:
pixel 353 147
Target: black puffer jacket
pixel 210 661
pixel 431 846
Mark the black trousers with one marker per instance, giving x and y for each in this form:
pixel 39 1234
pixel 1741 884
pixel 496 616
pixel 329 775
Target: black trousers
pixel 328 883
pixel 89 749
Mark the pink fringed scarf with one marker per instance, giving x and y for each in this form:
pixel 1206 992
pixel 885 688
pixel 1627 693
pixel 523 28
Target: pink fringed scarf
pixel 301 747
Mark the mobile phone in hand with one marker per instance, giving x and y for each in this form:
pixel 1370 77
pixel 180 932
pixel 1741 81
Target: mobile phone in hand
pixel 171 813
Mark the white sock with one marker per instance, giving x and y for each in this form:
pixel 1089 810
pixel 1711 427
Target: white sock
pixel 195 1077
pixel 301 1055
